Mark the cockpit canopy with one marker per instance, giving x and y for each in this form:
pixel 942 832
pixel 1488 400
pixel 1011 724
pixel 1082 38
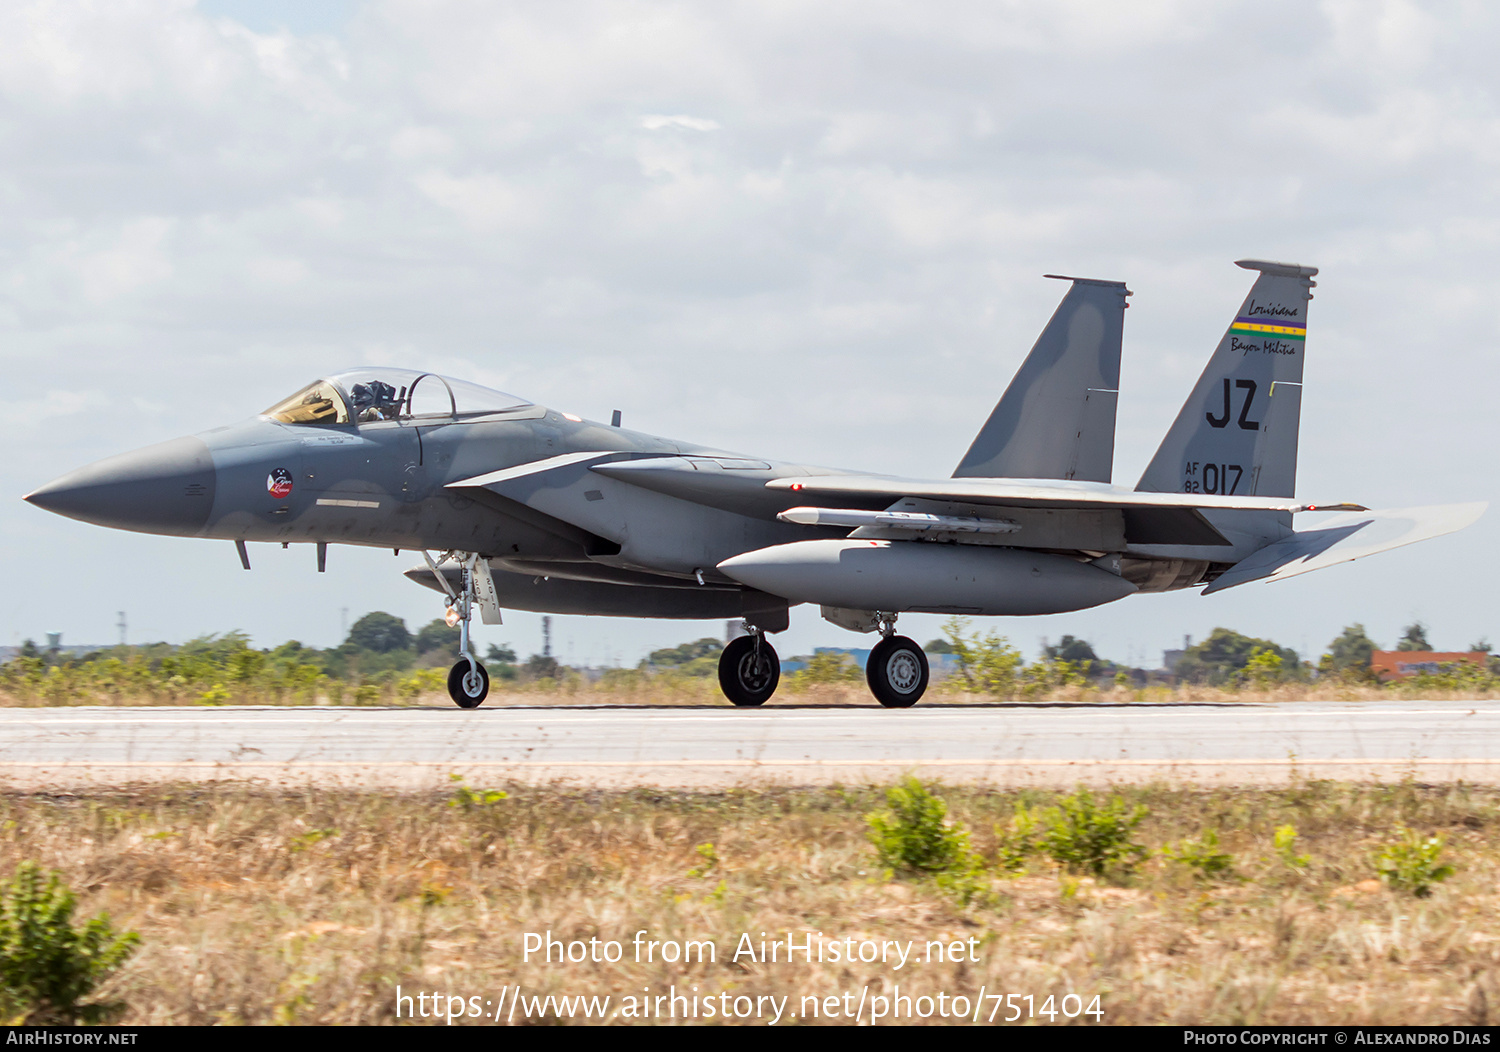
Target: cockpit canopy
pixel 364 395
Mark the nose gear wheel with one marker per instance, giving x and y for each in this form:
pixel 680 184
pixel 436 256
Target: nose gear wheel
pixel 468 686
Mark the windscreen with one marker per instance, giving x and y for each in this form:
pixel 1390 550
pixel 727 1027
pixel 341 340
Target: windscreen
pixel 317 403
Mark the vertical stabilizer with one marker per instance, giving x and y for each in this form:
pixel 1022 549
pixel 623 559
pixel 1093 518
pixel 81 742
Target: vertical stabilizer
pixel 1237 432
pixel 1056 420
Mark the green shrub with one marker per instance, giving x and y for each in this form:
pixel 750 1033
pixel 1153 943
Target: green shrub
pixel 1088 837
pixel 47 967
pixel 914 834
pixel 989 665
pixel 1202 856
pixel 826 667
pixel 1284 840
pixel 710 856
pixel 1015 842
pixel 914 837
pixel 367 694
pixel 1410 863
pixel 421 681
pixel 1049 674
pixel 1264 668
pixel 469 799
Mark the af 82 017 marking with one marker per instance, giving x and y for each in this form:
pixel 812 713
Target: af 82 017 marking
pixel 1213 478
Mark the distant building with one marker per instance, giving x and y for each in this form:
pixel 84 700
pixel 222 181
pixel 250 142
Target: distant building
pixel 939 665
pixel 1392 665
pixel 860 656
pixel 1169 658
pixel 73 650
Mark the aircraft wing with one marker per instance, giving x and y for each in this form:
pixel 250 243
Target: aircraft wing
pixel 1347 537
pixel 1149 518
pixel 1042 493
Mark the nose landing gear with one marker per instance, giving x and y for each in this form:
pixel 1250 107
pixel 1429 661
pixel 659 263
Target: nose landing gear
pixel 468 682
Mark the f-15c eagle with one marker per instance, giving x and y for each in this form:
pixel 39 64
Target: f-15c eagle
pixel 535 509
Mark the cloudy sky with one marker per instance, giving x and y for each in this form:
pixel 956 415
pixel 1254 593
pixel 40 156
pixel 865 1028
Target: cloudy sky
pixel 803 231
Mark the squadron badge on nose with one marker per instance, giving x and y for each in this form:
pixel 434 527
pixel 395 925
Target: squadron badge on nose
pixel 279 483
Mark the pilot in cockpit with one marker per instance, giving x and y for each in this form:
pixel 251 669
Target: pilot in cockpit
pixel 375 401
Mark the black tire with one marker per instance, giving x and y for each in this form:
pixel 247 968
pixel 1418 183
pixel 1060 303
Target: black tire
pixel 468 692
pixel 897 672
pixel 748 674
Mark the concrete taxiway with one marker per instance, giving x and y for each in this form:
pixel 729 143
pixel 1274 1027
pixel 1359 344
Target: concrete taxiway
pixel 1037 744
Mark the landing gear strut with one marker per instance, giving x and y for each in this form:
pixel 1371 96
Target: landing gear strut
pixel 897 670
pixel 749 670
pixel 468 682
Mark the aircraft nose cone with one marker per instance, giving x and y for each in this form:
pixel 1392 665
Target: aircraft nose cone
pixel 166 488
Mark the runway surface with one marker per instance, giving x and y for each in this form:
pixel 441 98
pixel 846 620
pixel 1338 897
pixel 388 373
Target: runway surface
pixel 1037 744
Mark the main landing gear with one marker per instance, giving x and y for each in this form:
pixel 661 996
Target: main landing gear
pixel 897 670
pixel 749 670
pixel 468 682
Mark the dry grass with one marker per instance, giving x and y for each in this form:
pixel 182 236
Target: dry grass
pixel 638 689
pixel 261 907
pixel 685 691
pixel 697 691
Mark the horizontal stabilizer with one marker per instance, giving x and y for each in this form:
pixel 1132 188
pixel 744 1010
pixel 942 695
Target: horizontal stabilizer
pixel 1347 537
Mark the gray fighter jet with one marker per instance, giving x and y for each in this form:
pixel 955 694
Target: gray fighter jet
pixel 535 509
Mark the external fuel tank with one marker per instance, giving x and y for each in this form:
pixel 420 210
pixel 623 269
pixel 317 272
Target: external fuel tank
pixel 923 577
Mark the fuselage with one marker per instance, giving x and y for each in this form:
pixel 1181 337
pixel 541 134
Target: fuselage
pixel 574 515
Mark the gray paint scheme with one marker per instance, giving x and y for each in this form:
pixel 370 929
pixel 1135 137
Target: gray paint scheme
pixel 1237 432
pixel 899 576
pixel 1056 420
pixel 554 595
pixel 574 516
pixel 1346 537
pixel 166 488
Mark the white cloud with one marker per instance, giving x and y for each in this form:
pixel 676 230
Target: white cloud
pixel 658 121
pixel 482 201
pixel 26 415
pixel 415 142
